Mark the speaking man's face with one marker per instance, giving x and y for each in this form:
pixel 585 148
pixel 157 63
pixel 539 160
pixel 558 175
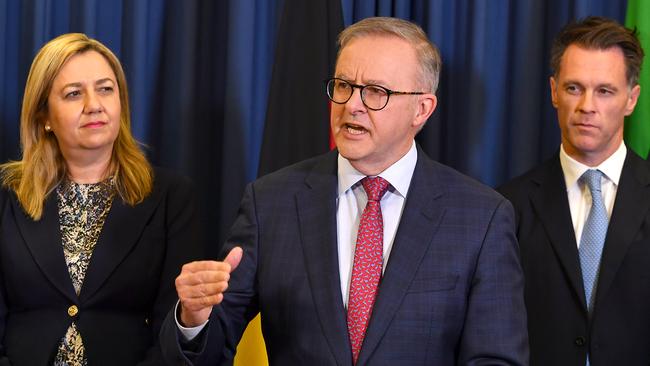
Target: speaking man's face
pixel 374 140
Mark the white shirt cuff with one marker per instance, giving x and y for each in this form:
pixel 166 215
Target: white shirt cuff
pixel 188 333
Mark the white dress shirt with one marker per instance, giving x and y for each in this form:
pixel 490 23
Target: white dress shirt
pixel 579 194
pixel 351 201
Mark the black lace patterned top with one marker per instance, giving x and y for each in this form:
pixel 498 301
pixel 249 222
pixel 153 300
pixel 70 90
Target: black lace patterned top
pixel 82 211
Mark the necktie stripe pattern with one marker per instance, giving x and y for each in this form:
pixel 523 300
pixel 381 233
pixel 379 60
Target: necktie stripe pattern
pixel 367 265
pixel 593 236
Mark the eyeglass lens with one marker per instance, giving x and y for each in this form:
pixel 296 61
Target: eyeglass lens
pixel 373 96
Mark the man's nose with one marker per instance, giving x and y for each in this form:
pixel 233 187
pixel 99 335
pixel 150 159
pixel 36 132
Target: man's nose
pixel 586 104
pixel 355 103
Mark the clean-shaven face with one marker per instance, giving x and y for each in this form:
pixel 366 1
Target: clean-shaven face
pixel 84 106
pixel 592 98
pixel 374 140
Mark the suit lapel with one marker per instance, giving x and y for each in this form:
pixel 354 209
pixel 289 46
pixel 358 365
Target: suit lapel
pixel 43 238
pixel 552 208
pixel 630 209
pixel 122 230
pixel 316 206
pixel 419 222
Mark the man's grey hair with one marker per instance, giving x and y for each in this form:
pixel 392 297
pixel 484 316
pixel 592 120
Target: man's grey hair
pixel 427 53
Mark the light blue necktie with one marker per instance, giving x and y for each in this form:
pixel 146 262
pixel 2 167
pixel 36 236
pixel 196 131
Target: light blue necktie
pixel 593 236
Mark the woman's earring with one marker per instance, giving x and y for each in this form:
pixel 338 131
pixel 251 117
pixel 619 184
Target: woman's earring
pixel 48 128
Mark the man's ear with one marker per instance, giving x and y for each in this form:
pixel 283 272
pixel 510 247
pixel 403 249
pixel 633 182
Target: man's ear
pixel 632 99
pixel 427 103
pixel 553 84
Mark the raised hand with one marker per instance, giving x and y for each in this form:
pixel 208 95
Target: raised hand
pixel 201 285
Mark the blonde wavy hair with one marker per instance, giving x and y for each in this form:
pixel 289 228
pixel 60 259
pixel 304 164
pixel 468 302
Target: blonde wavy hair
pixel 42 166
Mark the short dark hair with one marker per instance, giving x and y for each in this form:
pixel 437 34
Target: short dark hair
pixel 600 33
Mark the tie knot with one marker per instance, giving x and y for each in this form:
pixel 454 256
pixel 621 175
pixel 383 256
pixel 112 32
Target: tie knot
pixel 592 179
pixel 374 187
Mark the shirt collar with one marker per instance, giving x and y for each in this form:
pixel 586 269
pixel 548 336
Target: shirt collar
pixel 398 175
pixel 611 167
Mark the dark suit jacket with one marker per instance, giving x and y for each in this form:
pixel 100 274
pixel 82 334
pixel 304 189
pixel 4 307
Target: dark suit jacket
pixel 128 287
pixel 452 291
pixel 560 330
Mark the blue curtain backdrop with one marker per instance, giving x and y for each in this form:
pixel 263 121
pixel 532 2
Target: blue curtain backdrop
pixel 199 73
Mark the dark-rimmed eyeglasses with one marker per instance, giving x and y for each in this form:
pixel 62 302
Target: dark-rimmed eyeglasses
pixel 374 97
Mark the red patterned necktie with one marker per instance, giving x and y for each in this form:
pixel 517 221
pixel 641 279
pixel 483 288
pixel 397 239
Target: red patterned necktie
pixel 366 269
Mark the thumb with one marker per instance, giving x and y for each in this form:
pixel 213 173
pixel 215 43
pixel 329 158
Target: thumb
pixel 234 257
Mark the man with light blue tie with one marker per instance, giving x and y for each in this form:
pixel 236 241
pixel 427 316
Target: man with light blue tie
pixel 583 217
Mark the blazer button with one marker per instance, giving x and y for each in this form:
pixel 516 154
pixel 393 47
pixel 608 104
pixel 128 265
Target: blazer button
pixel 580 341
pixel 73 310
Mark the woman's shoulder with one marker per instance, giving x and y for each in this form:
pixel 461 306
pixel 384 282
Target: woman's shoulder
pixel 6 193
pixel 6 196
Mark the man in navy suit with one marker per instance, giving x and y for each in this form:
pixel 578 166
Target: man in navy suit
pixel 588 300
pixel 425 273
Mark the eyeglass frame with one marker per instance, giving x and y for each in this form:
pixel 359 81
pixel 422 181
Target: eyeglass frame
pixel 389 92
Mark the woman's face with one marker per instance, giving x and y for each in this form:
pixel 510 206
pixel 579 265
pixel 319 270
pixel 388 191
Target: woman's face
pixel 84 107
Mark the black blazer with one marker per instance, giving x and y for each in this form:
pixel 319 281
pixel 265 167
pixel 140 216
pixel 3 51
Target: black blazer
pixel 128 288
pixel 451 294
pixel 560 330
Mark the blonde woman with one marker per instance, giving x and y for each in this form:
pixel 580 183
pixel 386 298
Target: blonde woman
pixel 91 236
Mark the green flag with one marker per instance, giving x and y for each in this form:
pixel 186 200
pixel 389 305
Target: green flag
pixel 637 125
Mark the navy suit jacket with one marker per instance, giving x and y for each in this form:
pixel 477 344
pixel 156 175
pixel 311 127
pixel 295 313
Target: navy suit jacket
pixel 560 329
pixel 452 291
pixel 128 287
